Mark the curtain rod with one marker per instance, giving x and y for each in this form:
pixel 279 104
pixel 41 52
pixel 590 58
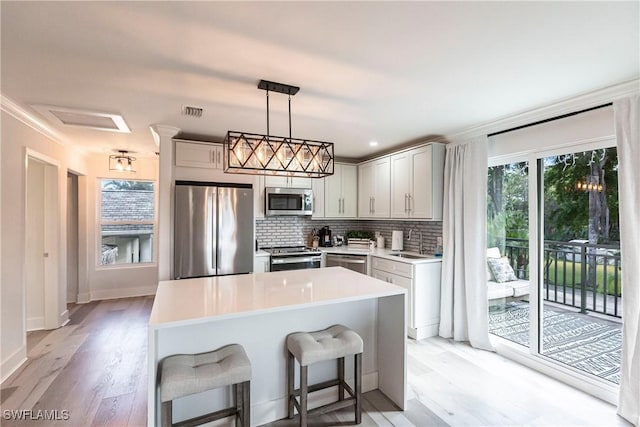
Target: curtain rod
pixel 550 119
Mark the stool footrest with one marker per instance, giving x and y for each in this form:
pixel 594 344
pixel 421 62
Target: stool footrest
pixel 206 418
pixel 334 406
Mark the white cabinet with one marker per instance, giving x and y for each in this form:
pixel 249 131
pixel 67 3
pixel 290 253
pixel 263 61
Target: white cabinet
pixel 261 263
pixel 317 186
pixel 374 188
pixel 286 181
pixel 417 182
pixel 258 196
pixel 199 155
pixel 422 282
pixel 341 192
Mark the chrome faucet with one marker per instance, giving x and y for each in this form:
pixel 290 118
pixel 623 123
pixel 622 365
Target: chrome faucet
pixel 420 244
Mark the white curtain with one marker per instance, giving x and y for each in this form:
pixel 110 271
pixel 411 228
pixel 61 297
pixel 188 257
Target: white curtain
pixel 463 303
pixel 627 119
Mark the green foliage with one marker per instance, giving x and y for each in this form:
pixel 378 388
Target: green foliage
pixel 566 208
pixel 359 234
pixel 562 273
pixel 507 203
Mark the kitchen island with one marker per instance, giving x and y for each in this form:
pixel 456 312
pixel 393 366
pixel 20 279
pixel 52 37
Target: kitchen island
pixel 258 311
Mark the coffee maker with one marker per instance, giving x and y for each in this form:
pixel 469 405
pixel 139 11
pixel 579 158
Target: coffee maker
pixel 325 236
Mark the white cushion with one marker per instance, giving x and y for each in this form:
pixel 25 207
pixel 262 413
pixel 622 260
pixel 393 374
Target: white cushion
pixel 331 343
pixel 185 374
pixel 520 287
pixel 501 270
pixel 499 290
pixel 491 253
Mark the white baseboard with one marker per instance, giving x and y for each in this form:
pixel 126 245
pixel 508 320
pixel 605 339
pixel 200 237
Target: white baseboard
pixel 121 293
pixel 423 332
pixel 83 298
pixel 13 363
pixel 35 323
pixel 63 319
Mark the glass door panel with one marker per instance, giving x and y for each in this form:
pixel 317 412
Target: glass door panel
pixel 580 286
pixel 508 251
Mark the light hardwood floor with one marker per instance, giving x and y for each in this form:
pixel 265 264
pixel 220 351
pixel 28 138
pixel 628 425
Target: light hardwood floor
pixel 95 368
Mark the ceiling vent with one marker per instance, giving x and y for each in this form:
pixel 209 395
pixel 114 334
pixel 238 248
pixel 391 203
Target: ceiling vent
pixel 83 118
pixel 192 111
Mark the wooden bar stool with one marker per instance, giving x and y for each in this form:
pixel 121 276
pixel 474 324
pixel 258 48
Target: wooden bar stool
pixel 307 348
pixel 186 374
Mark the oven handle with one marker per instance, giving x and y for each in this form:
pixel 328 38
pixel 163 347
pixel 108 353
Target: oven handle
pixel 295 260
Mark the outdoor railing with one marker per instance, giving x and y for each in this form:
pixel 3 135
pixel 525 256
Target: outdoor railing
pixel 582 275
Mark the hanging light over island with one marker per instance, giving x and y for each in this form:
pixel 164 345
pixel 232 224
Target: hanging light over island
pixel 257 154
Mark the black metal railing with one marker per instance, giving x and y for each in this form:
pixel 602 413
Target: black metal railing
pixel 577 274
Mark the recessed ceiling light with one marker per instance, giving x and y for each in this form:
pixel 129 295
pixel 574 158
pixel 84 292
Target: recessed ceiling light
pixel 373 144
pixel 82 118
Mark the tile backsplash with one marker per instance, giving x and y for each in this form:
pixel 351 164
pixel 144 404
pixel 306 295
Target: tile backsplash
pixel 295 230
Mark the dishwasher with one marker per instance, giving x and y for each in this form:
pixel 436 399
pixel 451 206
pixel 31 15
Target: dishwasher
pixel 352 262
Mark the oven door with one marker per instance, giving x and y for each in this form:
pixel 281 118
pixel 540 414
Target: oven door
pixel 294 262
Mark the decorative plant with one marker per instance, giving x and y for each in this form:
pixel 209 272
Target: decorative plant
pixel 359 234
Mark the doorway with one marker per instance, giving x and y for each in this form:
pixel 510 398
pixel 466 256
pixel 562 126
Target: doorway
pixel 72 238
pixel 41 244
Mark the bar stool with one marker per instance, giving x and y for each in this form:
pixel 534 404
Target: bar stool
pixel 307 348
pixel 186 374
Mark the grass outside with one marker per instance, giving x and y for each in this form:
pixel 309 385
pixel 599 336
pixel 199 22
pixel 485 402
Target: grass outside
pixel 569 274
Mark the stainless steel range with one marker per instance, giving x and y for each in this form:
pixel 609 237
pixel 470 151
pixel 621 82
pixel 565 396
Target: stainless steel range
pixel 293 258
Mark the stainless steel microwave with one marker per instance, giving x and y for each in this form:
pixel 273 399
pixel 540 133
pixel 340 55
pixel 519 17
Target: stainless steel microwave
pixel 288 201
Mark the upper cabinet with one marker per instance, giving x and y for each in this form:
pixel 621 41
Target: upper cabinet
pixel 341 192
pixel 317 186
pixel 374 188
pixel 286 181
pixel 199 155
pixel 417 182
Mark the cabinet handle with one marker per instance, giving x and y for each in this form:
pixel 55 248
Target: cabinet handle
pixel 313 210
pixel 409 204
pixel 373 205
pixel 405 202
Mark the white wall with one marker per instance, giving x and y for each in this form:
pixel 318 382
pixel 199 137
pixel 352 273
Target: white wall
pixel 16 138
pixel 581 128
pixel 118 281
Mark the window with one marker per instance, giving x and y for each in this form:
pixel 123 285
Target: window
pixel 127 221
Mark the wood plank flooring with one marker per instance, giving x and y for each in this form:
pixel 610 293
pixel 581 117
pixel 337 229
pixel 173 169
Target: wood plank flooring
pixel 95 368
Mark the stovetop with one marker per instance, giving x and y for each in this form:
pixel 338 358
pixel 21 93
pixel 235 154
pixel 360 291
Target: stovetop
pixel 289 250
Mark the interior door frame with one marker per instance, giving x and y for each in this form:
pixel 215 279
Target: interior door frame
pixel 53 318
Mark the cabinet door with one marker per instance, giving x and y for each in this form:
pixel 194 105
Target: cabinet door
pixel 381 187
pixel 276 181
pixel 296 182
pixel 317 186
pixel 349 191
pixel 400 182
pixel 420 202
pixel 258 196
pixel 365 190
pixel 333 193
pixel 260 264
pixel 217 153
pixel 402 282
pixel 196 155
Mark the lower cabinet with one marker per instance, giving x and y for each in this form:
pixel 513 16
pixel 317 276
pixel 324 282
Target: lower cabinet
pixel 422 282
pixel 261 263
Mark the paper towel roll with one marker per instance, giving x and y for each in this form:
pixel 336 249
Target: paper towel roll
pixel 397 240
pixel 380 242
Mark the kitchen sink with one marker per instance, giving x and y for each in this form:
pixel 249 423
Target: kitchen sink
pixel 409 256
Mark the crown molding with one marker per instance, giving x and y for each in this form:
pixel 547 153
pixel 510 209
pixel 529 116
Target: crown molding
pixel 564 106
pixel 19 113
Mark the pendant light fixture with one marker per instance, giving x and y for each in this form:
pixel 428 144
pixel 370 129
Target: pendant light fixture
pixel 121 162
pixel 258 154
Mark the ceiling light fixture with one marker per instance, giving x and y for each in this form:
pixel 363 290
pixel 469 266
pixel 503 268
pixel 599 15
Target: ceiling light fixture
pixel 258 154
pixel 121 162
pixel 373 144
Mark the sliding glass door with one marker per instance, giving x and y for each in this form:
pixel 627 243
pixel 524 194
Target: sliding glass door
pixel 553 258
pixel 580 286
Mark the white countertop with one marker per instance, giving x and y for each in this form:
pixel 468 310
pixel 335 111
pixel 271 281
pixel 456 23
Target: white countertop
pixel 196 300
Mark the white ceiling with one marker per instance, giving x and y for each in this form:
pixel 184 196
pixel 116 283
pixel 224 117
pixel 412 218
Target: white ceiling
pixel 385 71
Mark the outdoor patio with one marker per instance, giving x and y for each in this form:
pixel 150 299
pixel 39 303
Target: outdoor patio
pixel 586 342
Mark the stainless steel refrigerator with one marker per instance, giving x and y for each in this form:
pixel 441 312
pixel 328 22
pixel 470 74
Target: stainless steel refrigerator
pixel 213 229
